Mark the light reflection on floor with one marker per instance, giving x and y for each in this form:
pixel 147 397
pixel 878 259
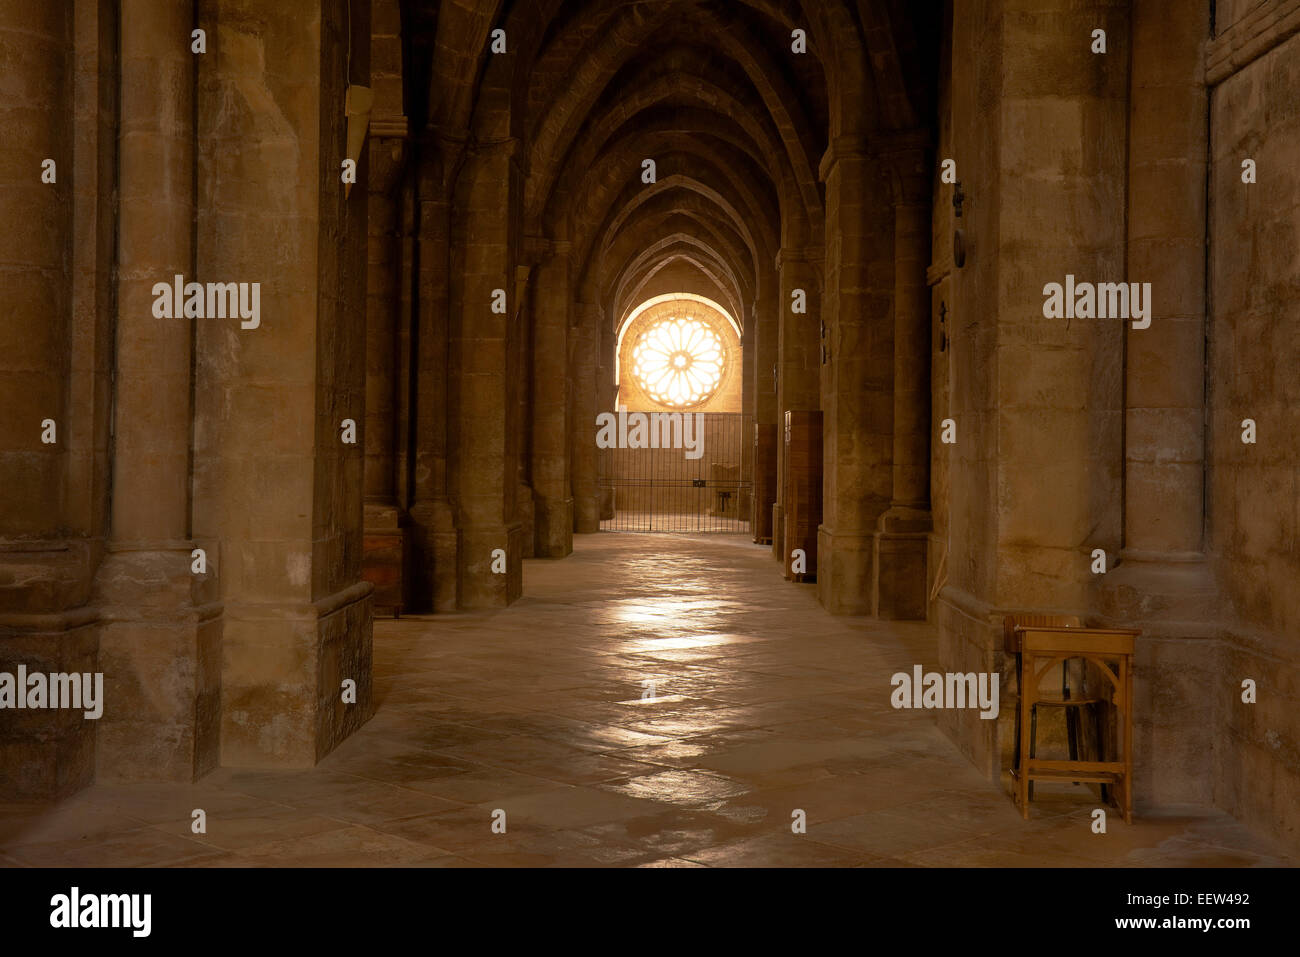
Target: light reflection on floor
pixel 763 705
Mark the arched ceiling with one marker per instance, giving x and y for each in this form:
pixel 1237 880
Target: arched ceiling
pixel 736 122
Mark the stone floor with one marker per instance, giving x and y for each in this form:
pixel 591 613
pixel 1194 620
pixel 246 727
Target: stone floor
pixel 763 705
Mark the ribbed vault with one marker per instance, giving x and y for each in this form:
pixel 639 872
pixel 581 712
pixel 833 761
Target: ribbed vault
pixel 767 124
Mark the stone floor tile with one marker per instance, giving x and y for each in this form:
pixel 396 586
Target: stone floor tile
pixel 763 705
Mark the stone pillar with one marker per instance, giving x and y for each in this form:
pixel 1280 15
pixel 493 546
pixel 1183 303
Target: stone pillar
pixel 486 468
pixel 798 361
pixel 434 554
pixel 584 358
pixel 1035 470
pixel 859 381
pixel 902 535
pixel 766 348
pixel 606 400
pixel 519 447
pixel 275 480
pixel 384 554
pixel 160 644
pixel 52 320
pixel 553 514
pixel 748 365
pixel 1162 581
pixel 1164 447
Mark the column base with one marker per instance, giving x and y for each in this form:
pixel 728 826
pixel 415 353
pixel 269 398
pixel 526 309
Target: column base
pixel 778 535
pixel 481 586
pixel 899 552
pixel 1173 591
pixel 526 515
pixel 586 513
pixel 383 556
pixel 898 590
pixel 844 571
pixel 47 755
pixel 160 650
pixel 282 684
pixel 970 640
pixel 552 527
pixel 433 558
pixel 1181 667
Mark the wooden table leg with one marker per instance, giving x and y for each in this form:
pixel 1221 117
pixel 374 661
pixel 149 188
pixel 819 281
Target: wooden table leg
pixel 1127 672
pixel 1026 704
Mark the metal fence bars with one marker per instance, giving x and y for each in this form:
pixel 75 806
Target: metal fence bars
pixel 706 487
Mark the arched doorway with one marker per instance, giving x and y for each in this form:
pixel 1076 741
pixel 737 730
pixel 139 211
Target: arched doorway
pixel 678 444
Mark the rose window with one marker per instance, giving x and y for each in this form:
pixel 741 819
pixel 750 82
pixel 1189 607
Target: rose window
pixel 678 362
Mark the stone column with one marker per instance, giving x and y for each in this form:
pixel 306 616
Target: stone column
pixel 859 382
pixel 606 399
pixel 277 479
pixel 766 349
pixel 160 645
pixel 748 367
pixel 383 561
pixel 47 549
pixel 434 553
pixel 798 360
pixel 1162 581
pixel 486 468
pixel 519 449
pixel 1164 435
pixel 584 349
pixel 1035 470
pixel 553 499
pixel 901 539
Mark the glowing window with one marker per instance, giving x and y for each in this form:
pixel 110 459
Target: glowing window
pixel 678 362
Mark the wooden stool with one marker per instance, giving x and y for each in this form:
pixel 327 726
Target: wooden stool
pixel 1069 703
pixel 1040 648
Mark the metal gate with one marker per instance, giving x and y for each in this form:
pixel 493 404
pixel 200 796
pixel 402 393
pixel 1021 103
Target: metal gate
pixel 663 490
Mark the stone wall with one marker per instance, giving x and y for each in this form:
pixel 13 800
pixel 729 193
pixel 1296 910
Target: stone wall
pixel 1095 434
pixel 1254 488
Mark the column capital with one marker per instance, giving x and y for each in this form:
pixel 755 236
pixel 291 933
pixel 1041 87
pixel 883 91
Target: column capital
pixel 538 249
pixel 905 160
pixel 847 146
pixel 799 254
